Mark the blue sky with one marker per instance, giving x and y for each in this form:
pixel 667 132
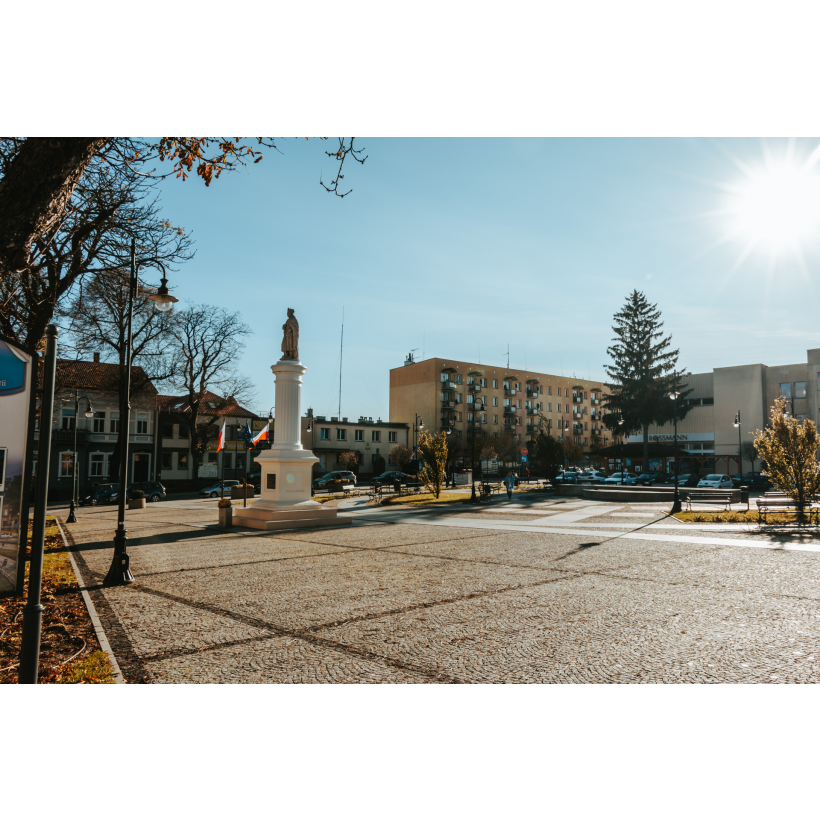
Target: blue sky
pixel 459 247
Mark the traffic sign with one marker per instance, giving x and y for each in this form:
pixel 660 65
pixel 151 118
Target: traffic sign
pixel 523 459
pixel 524 451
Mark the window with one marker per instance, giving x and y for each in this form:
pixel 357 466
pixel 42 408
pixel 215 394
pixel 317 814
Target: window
pixel 183 431
pixel 483 418
pixel 376 435
pixel 469 416
pixel 785 390
pixel 167 431
pixel 470 398
pixel 324 433
pixel 167 460
pixel 359 435
pixel 97 466
pixel 66 465
pixel 470 379
pixel 549 390
pixel 518 402
pixel 800 390
pixel 240 461
pixel 341 434
pixel 212 457
pixel 495 382
pixel 142 424
pixel 458 378
pixel 539 405
pixel 507 402
pixel 495 400
pixel 566 393
pixel 549 406
pixel 98 423
pixel 458 414
pixel 482 382
pixel 68 420
pixel 445 377
pixel 182 461
pixel 391 437
pixel 517 386
pixel 458 398
pixel 227 460
pixel 495 419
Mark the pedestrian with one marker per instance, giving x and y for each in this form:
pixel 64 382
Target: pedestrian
pixel 527 474
pixel 509 483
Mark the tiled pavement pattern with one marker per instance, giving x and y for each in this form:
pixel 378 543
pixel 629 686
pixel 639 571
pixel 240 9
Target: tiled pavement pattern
pixel 487 595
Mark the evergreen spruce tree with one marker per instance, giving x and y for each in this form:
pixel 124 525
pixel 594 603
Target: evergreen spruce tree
pixel 643 372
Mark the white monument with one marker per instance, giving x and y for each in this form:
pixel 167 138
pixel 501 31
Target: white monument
pixel 287 468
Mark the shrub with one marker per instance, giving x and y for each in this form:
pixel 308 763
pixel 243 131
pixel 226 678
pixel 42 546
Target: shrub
pixel 137 494
pixel 224 503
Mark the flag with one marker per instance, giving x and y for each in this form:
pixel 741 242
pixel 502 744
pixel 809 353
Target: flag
pixel 262 435
pixel 248 435
pixel 220 444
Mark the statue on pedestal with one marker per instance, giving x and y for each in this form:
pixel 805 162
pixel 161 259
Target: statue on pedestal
pixel 290 340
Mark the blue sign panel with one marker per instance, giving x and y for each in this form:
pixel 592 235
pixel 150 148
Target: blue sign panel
pixel 12 370
pixel 523 458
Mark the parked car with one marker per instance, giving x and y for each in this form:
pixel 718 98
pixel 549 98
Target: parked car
pixel 754 481
pixel 592 477
pixel 646 479
pixel 615 478
pixel 346 476
pixel 392 476
pixel 99 495
pixel 213 490
pixel 154 491
pixel 566 478
pixel 687 480
pixel 716 481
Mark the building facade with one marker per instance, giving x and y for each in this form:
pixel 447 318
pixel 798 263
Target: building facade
pixel 371 441
pixel 707 434
pixel 83 387
pixel 454 395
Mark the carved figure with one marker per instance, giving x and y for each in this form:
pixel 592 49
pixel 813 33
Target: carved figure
pixel 290 340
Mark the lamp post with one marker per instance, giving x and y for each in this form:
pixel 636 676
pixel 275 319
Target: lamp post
pixel 417 425
pixel 89 414
pixel 676 505
pixel 621 437
pixel 119 571
pixel 739 445
pixel 472 430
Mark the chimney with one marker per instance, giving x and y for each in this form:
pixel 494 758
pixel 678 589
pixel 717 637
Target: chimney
pixel 96 358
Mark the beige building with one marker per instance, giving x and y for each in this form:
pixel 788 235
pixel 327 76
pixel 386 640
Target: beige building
pixel 447 394
pixel 330 436
pixel 708 434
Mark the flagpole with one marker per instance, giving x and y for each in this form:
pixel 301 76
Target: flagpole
pixel 247 459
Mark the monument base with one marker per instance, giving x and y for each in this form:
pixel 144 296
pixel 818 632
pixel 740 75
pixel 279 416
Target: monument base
pixel 260 516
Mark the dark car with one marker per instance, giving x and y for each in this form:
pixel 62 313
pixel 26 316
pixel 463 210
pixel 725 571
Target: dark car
pixel 212 490
pixel 754 481
pixel 566 478
pixel 687 479
pixel 649 478
pixel 392 476
pixel 346 476
pixel 154 491
pixel 99 495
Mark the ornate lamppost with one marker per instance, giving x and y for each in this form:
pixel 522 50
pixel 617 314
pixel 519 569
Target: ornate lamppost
pixel 120 572
pixel 89 414
pixel 676 505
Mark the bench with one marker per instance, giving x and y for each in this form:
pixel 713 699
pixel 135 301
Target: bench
pixel 708 498
pixel 774 504
pixel 347 489
pixel 486 492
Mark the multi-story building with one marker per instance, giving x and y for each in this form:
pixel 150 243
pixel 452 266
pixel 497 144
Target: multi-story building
pixel 176 459
pixel 455 395
pixel 83 388
pixel 372 441
pixel 707 433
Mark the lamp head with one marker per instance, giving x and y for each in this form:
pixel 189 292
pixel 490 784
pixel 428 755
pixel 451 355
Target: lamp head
pixel 737 420
pixel 421 424
pixel 162 299
pixel 674 395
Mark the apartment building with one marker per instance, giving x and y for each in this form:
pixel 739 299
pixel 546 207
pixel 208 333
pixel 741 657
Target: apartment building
pixel 330 436
pixel 707 433
pixel 454 395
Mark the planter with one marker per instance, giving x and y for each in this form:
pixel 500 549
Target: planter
pixel 225 517
pixel 136 504
pixel 238 493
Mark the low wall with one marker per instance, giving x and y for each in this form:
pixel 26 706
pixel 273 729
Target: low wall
pixel 616 492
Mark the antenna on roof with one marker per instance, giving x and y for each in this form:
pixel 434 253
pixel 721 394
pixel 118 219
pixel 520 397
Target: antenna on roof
pixel 508 355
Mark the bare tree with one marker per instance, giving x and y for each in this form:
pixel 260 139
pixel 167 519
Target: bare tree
pixel 402 455
pixel 748 452
pixel 41 177
pixel 206 343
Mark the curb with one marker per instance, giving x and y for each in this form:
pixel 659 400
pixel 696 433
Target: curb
pixel 92 612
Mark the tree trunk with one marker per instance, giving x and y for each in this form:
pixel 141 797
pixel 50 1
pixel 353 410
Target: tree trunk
pixel 35 190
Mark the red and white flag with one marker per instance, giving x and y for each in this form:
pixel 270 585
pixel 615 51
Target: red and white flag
pixel 220 445
pixel 262 435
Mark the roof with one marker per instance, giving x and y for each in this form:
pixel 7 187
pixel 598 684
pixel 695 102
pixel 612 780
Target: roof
pixel 210 404
pixel 98 376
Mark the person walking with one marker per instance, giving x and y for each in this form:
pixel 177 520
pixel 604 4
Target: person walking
pixel 509 483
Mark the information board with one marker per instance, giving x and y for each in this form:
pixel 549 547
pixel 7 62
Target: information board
pixel 15 397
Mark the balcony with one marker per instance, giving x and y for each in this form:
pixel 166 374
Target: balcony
pixel 67 436
pixel 447 402
pixel 448 385
pixel 576 399
pixel 595 416
pixel 595 401
pixel 577 415
pixel 531 411
pixel 532 428
pixel 509 410
pixel 509 391
pixel 474 388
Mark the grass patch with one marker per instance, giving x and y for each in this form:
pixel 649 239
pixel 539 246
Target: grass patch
pixel 722 517
pixel 427 499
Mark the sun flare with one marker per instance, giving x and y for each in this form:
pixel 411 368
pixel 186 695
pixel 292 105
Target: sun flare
pixel 779 206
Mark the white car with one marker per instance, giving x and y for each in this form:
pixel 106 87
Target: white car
pixel 615 478
pixel 717 482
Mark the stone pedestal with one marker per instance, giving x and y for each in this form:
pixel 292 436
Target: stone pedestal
pixel 287 468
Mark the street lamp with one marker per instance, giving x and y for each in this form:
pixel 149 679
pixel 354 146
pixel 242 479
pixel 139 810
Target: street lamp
pixel 119 571
pixel 621 437
pixel 89 414
pixel 676 505
pixel 739 445
pixel 417 425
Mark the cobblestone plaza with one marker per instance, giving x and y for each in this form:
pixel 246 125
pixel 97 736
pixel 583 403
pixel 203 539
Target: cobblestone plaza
pixel 532 591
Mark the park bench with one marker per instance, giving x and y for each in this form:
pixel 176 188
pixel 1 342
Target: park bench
pixel 775 503
pixel 725 500
pixel 347 489
pixel 486 492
